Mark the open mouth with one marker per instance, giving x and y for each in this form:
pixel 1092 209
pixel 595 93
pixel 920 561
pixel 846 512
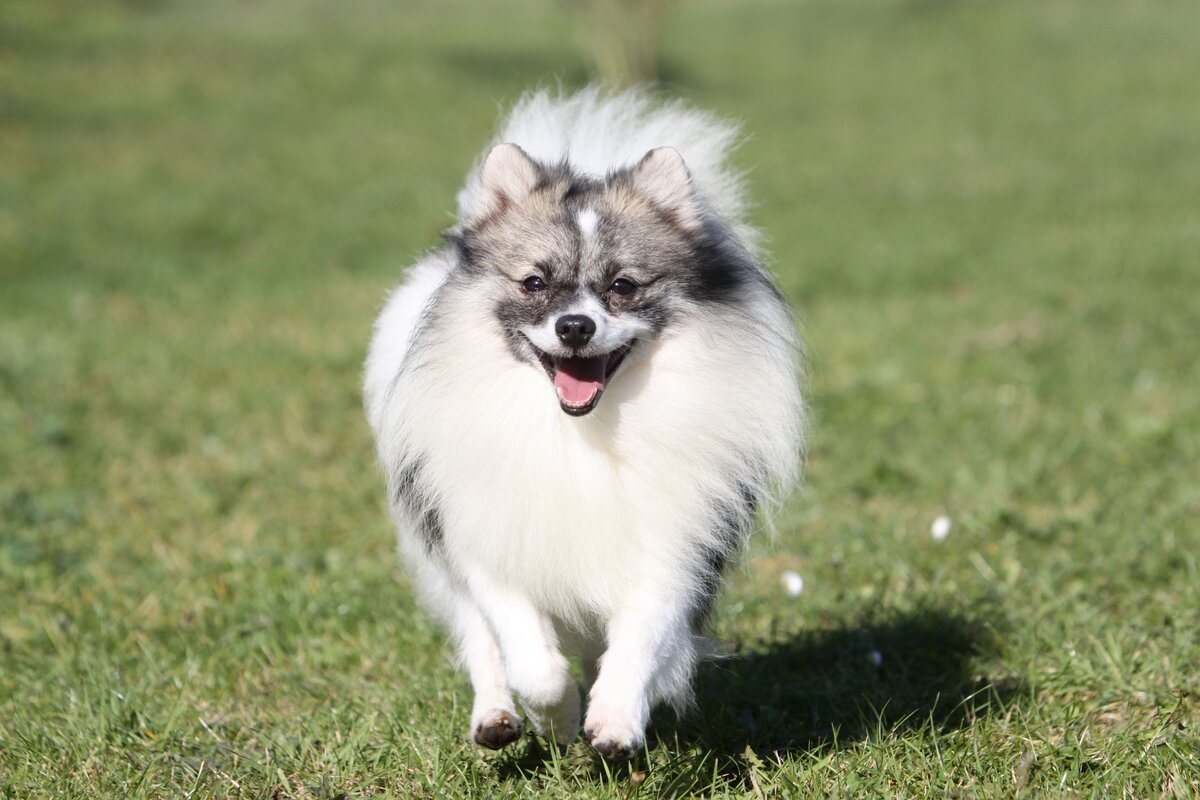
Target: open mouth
pixel 580 381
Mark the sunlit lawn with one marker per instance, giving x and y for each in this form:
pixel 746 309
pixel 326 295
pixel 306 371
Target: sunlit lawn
pixel 987 215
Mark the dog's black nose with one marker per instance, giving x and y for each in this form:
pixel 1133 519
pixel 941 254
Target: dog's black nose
pixel 575 330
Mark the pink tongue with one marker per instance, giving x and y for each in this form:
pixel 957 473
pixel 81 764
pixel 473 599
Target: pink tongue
pixel 579 379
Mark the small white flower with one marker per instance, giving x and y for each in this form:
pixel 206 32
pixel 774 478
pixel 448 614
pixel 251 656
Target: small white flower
pixel 940 528
pixel 875 657
pixel 793 584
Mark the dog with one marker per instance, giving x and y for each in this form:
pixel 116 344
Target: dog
pixel 581 403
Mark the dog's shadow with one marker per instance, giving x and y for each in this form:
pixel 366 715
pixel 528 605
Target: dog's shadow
pixel 819 689
pixel 843 684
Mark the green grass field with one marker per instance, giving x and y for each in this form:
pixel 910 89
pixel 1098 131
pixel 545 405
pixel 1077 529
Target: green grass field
pixel 987 215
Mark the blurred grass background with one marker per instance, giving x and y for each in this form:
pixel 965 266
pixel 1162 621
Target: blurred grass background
pixel 987 214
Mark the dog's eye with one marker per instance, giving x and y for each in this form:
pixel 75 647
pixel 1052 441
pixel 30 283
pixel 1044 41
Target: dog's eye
pixel 623 286
pixel 533 284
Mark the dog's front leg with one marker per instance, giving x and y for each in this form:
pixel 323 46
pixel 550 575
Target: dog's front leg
pixel 536 670
pixel 650 657
pixel 495 723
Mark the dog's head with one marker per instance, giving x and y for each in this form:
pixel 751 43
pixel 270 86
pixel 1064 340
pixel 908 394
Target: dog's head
pixel 583 271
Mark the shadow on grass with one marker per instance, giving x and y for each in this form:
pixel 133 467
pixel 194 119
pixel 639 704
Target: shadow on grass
pixel 827 688
pixel 909 671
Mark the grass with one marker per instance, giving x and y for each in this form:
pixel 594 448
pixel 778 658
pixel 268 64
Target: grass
pixel 986 214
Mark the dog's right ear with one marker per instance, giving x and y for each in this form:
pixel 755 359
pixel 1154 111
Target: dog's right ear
pixel 507 177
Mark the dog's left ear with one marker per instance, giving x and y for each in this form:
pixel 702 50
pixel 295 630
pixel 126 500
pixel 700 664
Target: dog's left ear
pixel 663 179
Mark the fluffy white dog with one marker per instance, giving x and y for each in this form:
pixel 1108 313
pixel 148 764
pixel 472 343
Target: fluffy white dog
pixel 580 404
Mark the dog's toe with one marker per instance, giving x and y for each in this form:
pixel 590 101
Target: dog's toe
pixel 614 744
pixel 615 750
pixel 614 733
pixel 498 730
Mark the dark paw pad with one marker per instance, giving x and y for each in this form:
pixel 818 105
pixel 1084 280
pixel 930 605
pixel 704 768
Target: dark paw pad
pixel 499 730
pixel 613 750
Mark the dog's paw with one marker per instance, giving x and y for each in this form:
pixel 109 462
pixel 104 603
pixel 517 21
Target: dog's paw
pixel 613 736
pixel 497 729
pixel 615 750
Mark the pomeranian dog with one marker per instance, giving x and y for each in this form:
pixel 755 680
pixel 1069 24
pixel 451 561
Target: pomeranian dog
pixel 581 403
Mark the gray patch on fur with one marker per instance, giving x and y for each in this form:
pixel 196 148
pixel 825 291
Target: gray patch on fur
pixel 409 493
pixel 735 522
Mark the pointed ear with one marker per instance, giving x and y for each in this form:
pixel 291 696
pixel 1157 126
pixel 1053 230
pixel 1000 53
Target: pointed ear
pixel 507 177
pixel 663 179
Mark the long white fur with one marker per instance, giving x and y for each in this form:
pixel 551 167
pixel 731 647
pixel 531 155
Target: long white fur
pixel 583 531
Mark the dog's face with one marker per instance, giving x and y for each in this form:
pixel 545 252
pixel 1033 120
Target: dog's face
pixel 581 272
